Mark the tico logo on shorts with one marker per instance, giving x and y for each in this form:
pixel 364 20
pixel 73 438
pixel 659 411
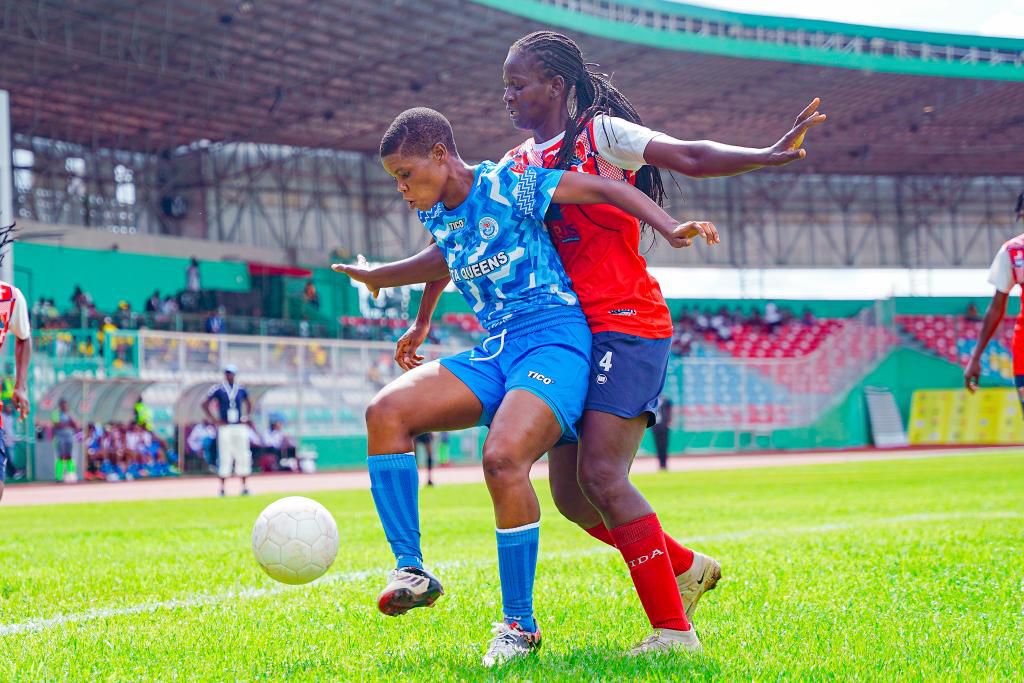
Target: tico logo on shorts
pixel 488 227
pixel 532 374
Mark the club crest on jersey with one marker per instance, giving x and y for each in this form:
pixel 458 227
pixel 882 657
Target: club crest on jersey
pixel 457 224
pixel 488 227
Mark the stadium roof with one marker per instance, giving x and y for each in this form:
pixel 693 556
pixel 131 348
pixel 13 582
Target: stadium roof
pixel 151 75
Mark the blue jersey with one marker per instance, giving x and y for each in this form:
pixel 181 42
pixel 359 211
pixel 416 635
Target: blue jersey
pixel 229 401
pixel 497 247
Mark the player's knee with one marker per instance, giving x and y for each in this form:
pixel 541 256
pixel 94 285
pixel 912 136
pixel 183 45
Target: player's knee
pixel 601 483
pixel 500 464
pixel 384 413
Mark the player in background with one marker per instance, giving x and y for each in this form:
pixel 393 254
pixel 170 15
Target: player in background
pixel 545 78
pixel 527 380
pixel 14 319
pixel 1005 273
pixel 425 442
pixel 234 410
pixel 65 427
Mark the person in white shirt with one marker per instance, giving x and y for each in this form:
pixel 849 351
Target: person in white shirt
pixel 1006 272
pixel 14 319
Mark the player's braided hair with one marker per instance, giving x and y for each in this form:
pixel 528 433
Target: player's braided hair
pixel 7 235
pixel 591 93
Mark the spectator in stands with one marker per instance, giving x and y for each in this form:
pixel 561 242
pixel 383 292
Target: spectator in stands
pixel 721 323
pixel 660 431
pixel 702 322
pixel 80 299
pixel 169 308
pixel 807 318
pixel 972 314
pixel 310 296
pixel 124 314
pixel 214 323
pixel 202 441
pixel 1019 209
pixel 772 317
pixel 153 302
pixel 192 282
pixel 64 430
pixel 278 448
pixel 142 414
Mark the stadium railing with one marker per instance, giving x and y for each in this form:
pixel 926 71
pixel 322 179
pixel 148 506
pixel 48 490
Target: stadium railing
pixel 758 395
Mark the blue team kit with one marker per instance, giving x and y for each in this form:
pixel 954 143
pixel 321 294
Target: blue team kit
pixel 503 262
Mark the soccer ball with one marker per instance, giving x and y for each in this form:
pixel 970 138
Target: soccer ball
pixel 295 540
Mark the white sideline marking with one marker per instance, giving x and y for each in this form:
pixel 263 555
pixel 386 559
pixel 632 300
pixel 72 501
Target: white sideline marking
pixel 199 600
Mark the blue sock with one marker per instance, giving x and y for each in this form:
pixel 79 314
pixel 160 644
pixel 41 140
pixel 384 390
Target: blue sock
pixel 517 567
pixel 395 485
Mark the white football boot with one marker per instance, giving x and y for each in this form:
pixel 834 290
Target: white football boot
pixel 409 587
pixel 667 640
pixel 510 642
pixel 700 578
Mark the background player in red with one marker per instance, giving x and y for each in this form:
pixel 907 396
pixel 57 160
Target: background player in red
pixel 1006 272
pixel 14 318
pixel 545 79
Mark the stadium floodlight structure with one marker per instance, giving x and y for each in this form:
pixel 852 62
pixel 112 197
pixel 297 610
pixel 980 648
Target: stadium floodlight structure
pixel 259 122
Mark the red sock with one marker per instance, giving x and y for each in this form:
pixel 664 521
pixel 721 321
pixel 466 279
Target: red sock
pixel 601 533
pixel 680 556
pixel 642 544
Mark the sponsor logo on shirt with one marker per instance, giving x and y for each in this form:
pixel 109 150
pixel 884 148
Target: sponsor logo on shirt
pixel 601 378
pixel 457 224
pixel 622 311
pixel 480 268
pixel 488 228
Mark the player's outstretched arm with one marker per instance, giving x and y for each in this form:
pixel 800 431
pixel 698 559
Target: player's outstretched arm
pixel 993 316
pixel 583 188
pixel 709 159
pixel 410 342
pixel 426 266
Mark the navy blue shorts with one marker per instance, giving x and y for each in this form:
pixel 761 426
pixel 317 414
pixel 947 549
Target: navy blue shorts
pixel 1018 381
pixel 627 374
pixel 3 456
pixel 549 358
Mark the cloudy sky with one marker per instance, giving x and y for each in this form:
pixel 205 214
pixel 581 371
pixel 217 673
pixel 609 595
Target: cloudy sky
pixel 983 17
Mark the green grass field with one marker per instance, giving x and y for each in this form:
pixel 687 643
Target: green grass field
pixel 906 570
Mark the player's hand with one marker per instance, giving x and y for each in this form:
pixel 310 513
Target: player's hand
pixel 408 343
pixel 360 272
pixel 790 146
pixel 20 400
pixel 684 234
pixel 971 374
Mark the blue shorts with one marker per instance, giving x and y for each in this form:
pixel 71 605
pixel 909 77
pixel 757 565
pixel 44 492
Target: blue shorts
pixel 547 355
pixel 627 374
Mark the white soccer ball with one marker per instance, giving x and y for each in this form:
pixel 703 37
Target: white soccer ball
pixel 295 540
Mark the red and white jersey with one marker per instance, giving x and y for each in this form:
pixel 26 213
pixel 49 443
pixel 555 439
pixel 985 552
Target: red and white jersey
pixel 13 313
pixel 600 244
pixel 1006 272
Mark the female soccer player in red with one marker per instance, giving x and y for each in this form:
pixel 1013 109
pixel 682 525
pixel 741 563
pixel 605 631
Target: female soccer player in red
pixel 545 79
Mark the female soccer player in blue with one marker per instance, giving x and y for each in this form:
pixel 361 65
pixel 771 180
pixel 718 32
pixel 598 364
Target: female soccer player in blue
pixel 527 380
pixel 545 77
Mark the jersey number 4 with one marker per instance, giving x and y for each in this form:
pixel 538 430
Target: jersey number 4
pixel 606 361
